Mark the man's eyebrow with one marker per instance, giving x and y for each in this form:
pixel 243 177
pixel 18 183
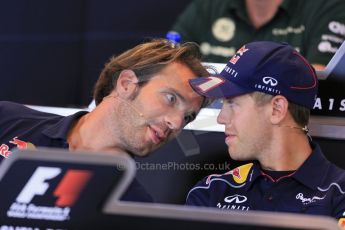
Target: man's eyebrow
pixel 183 99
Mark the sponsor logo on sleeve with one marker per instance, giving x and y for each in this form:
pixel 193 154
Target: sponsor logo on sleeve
pixel 21 144
pixel 5 149
pixel 326 47
pixel 234 202
pixel 239 174
pixel 337 28
pixel 237 199
pixel 341 223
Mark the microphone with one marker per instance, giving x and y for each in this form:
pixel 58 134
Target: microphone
pixel 136 110
pixel 304 129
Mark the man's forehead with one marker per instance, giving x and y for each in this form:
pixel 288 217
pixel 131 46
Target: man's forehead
pixel 172 78
pixel 237 97
pixel 175 81
pixel 175 78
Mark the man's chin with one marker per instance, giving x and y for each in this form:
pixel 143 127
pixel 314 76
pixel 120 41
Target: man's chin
pixel 143 152
pixel 235 156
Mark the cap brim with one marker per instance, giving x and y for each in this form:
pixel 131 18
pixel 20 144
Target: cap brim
pixel 217 87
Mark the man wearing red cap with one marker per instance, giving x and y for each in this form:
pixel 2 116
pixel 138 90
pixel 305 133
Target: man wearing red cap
pixel 268 90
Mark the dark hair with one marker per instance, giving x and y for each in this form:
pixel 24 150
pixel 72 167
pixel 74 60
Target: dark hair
pixel 146 60
pixel 299 113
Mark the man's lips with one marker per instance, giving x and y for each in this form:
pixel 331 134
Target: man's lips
pixel 229 137
pixel 157 135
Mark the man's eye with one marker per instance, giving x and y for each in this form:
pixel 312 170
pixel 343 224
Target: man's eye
pixel 229 103
pixel 171 98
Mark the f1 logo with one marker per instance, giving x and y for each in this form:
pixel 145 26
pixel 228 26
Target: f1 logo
pixel 67 191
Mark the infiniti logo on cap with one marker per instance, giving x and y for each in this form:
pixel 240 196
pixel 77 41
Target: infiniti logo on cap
pixel 270 80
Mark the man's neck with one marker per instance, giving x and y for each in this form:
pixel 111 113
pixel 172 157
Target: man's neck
pixel 86 132
pixel 261 12
pixel 288 152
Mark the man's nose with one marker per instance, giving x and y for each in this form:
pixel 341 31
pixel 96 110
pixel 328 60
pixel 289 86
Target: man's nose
pixel 175 121
pixel 222 117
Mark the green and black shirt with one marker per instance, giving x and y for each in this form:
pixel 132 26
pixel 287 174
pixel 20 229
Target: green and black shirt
pixel 316 28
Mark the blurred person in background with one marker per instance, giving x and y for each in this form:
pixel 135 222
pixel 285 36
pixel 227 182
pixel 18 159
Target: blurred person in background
pixel 314 28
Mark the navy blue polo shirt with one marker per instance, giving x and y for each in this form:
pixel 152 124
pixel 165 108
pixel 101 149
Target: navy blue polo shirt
pixel 23 127
pixel 317 187
pixel 18 122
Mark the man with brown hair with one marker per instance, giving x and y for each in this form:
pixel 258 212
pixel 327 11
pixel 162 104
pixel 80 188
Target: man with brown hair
pixel 143 101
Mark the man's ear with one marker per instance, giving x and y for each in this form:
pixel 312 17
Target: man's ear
pixel 126 83
pixel 279 109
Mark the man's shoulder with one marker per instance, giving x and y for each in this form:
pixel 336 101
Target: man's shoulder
pixel 14 110
pixel 336 174
pixel 8 106
pixel 314 3
pixel 321 7
pixel 15 117
pixel 333 181
pixel 323 2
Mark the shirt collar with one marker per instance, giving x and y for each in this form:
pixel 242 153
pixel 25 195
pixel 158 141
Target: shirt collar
pixel 313 169
pixel 254 174
pixel 310 173
pixel 60 129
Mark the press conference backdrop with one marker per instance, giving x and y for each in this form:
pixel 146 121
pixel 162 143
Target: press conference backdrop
pixel 51 52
